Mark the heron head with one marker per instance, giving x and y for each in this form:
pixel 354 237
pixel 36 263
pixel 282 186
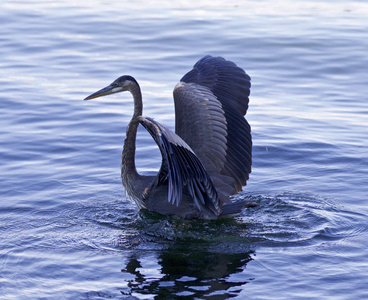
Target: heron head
pixel 123 83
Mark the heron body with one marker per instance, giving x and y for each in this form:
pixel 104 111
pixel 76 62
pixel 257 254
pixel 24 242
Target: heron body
pixel 209 156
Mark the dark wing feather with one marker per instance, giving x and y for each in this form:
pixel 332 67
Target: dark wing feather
pixel 182 169
pixel 229 83
pixel 210 103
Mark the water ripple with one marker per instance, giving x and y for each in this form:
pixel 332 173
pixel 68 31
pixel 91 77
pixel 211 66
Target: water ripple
pixel 286 220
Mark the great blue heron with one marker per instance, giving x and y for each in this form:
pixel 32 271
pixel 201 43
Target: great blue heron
pixel 209 156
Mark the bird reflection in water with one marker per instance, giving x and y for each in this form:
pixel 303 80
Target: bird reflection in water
pixel 192 273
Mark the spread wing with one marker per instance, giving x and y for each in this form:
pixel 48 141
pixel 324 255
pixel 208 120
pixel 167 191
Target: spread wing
pixel 210 103
pixel 181 169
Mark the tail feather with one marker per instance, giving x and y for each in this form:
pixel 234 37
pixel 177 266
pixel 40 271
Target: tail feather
pixel 235 208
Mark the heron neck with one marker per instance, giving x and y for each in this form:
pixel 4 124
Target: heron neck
pixel 128 168
pixel 137 96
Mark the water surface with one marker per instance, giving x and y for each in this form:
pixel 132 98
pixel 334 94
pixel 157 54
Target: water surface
pixel 68 230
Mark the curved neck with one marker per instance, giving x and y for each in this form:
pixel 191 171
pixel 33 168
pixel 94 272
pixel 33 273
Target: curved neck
pixel 137 97
pixel 128 168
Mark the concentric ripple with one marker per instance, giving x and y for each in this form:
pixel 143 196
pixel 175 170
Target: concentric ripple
pixel 286 220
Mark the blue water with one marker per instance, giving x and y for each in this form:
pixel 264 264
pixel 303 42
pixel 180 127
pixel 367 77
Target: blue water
pixel 68 230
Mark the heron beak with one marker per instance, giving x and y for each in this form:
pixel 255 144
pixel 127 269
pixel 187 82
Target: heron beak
pixel 104 92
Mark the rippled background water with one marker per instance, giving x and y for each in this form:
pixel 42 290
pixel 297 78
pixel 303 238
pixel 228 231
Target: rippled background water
pixel 67 229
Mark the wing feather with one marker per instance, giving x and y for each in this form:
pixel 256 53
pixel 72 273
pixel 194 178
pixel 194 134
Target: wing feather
pixel 182 169
pixel 210 103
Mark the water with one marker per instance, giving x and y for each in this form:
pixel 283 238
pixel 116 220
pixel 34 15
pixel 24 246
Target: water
pixel 67 229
